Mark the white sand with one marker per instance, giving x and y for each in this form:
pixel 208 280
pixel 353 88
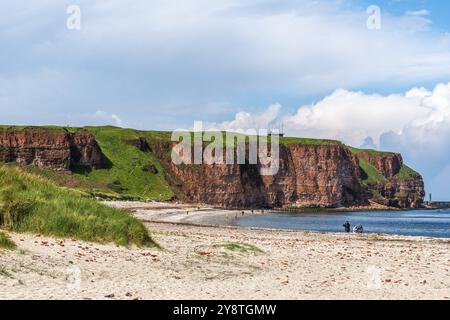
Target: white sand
pixel 294 265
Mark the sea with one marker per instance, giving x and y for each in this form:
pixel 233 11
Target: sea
pixel 426 223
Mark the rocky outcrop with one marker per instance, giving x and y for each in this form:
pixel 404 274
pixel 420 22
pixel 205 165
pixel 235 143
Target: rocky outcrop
pixel 55 149
pixel 85 151
pixel 399 193
pixel 388 164
pixel 396 190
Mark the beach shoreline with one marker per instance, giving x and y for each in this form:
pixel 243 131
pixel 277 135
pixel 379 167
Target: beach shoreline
pixel 226 262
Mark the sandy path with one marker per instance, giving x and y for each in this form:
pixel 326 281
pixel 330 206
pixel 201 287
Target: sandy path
pixel 294 265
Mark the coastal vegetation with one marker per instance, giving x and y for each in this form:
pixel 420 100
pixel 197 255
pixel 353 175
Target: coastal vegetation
pixel 29 203
pixel 6 242
pixel 240 247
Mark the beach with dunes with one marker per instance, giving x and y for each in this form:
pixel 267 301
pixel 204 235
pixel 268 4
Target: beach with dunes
pixel 197 261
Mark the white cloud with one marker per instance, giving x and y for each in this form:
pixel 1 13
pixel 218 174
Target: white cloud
pixel 420 117
pixel 102 115
pixel 353 116
pixel 247 120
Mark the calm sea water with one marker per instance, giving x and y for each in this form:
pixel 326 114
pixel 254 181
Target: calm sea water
pixel 427 223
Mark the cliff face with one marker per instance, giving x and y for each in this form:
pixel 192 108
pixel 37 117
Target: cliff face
pixel 50 148
pixel 401 193
pixel 401 186
pixel 315 175
pixel 388 164
pixel 310 174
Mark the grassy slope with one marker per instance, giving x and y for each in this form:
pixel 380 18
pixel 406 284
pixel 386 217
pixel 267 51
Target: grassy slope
pixel 127 178
pixel 29 203
pixel 370 175
pixel 128 166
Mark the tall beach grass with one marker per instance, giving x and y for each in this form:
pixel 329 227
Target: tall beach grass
pixel 29 203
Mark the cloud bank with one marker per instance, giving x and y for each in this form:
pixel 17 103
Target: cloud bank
pixel 159 64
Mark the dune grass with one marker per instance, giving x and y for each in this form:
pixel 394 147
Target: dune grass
pixel 29 203
pixel 6 242
pixel 240 247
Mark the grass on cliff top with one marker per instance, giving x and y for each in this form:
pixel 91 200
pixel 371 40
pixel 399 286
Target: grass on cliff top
pixel 128 178
pixel 406 173
pixel 6 242
pixel 245 137
pixel 21 128
pixel 370 175
pixel 373 152
pixel 309 141
pixel 29 203
pixel 129 174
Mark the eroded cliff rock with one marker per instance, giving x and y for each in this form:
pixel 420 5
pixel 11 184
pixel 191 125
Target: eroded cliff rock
pixel 49 148
pixel 309 176
pixel 388 164
pixel 408 193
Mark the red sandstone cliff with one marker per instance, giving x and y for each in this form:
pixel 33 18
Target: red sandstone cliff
pixel 395 191
pixel 55 149
pixel 309 175
pixel 388 164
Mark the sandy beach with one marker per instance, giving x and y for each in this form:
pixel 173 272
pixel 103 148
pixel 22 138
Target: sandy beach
pixel 218 262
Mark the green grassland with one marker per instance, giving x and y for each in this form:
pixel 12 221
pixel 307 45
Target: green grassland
pixel 370 175
pixel 29 203
pixel 128 176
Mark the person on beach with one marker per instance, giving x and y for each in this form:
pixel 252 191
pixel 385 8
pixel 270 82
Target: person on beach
pixel 358 229
pixel 346 226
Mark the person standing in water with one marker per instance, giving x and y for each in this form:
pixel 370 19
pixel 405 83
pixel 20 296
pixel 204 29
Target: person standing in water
pixel 346 226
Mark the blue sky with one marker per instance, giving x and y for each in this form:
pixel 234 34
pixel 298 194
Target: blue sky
pixel 313 65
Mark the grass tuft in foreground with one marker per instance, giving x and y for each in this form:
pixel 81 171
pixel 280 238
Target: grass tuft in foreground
pixel 29 203
pixel 6 242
